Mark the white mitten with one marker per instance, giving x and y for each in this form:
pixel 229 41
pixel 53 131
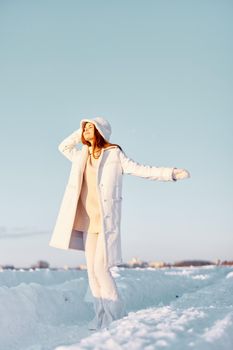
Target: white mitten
pixel 180 174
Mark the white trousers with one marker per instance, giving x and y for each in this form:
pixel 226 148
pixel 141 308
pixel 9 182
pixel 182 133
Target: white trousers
pixel 108 304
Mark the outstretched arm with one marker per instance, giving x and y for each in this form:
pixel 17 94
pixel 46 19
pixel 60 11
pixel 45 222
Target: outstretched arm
pixel 67 146
pixel 131 167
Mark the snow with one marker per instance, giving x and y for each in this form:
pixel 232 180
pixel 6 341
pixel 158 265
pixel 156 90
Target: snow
pixel 230 274
pixel 218 329
pixel 168 308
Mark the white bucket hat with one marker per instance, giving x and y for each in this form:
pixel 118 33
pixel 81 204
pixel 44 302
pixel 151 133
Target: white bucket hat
pixel 101 124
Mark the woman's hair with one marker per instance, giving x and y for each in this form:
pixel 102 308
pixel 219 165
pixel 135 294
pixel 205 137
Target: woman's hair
pixel 99 141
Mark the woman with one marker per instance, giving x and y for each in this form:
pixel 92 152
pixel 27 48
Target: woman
pixel 90 214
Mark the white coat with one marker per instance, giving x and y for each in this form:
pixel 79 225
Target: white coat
pixel 113 164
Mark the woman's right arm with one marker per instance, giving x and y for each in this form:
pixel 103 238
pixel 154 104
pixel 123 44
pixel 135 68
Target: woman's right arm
pixel 67 146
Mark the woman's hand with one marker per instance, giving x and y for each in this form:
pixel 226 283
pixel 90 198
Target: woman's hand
pixel 180 174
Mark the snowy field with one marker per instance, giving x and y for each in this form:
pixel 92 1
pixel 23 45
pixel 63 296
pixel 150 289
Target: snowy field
pixel 177 308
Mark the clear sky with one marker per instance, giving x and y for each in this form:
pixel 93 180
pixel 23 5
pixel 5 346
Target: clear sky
pixel 161 73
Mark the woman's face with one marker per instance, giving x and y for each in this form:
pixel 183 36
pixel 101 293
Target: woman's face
pixel 89 131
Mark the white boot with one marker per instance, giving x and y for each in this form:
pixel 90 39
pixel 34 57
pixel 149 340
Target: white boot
pixel 113 310
pixel 96 323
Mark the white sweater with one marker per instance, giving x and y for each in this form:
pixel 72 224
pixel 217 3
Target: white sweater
pixel 87 217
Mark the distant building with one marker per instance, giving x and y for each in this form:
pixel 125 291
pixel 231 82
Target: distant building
pixel 192 263
pixel 8 267
pixel 41 264
pixel 135 262
pixel 157 264
pixel 83 267
pixel 225 262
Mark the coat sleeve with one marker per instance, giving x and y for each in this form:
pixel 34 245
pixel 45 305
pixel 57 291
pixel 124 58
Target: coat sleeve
pixel 131 167
pixel 67 146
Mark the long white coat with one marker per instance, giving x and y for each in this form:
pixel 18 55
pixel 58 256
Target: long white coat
pixel 113 163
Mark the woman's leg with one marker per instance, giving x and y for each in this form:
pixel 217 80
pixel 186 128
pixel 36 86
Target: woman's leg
pixel 108 287
pixel 113 304
pixel 90 241
pixel 107 302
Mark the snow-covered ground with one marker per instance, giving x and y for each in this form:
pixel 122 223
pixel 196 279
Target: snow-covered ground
pixel 177 308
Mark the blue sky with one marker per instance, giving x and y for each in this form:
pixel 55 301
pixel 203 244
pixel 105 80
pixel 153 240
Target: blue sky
pixel 161 73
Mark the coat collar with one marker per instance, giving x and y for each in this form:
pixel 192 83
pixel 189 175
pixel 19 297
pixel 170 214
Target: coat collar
pixel 85 153
pixel 104 149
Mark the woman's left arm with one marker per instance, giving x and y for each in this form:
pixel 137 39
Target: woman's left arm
pixel 131 167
